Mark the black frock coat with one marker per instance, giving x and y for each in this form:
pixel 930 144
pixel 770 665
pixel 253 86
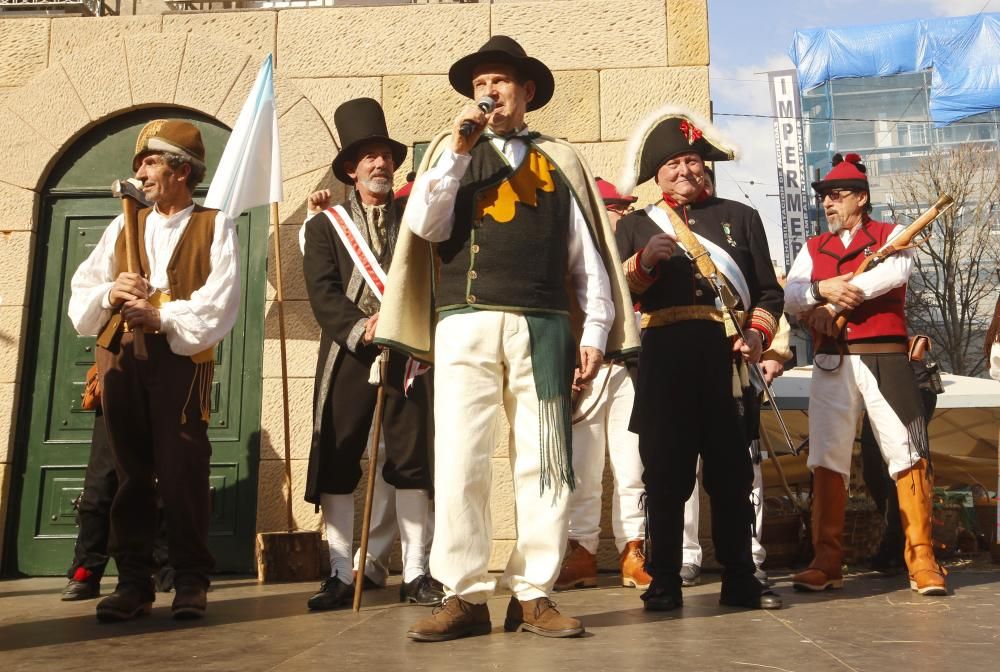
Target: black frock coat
pixel 343 399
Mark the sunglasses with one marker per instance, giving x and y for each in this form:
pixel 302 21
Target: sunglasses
pixel 836 194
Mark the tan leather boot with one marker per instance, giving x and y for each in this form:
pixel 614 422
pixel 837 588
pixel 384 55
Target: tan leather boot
pixel 634 566
pixel 453 619
pixel 828 502
pixel 579 568
pixel 541 617
pixel 914 490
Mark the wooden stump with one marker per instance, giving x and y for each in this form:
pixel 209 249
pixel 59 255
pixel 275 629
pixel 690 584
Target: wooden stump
pixel 288 556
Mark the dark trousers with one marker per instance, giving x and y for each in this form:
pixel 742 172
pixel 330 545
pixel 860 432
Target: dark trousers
pixel 882 488
pixel 685 408
pixel 406 428
pixel 93 513
pixel 144 403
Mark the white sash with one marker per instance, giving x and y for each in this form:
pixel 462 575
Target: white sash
pixel 723 262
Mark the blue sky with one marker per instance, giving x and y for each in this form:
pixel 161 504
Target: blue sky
pixel 749 38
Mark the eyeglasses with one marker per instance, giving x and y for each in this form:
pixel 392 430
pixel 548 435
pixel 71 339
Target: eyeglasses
pixel 836 194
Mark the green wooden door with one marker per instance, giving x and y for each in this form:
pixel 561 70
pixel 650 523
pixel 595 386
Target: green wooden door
pixel 76 208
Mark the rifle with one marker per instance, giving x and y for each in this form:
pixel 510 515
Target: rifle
pixel 903 241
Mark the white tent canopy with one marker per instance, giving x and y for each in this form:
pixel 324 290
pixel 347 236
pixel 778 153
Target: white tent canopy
pixel 963 432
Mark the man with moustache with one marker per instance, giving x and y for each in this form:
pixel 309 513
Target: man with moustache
pixel 186 299
pixel 513 215
pixel 864 369
pixel 346 249
pixel 694 396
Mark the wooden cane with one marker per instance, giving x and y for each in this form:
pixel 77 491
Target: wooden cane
pixel 366 519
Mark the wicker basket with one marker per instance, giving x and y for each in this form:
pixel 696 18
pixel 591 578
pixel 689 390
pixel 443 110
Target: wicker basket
pixel 863 526
pixel 783 534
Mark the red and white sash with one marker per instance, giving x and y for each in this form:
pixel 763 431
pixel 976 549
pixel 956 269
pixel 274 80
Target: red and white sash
pixel 366 263
pixel 358 248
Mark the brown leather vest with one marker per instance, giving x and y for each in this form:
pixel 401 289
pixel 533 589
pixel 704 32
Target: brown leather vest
pixel 190 264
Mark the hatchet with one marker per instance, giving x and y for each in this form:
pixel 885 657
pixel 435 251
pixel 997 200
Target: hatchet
pixel 130 191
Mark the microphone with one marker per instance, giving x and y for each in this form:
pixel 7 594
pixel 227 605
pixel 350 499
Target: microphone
pixel 486 104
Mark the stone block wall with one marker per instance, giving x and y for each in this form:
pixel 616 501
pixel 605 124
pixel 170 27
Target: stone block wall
pixel 614 61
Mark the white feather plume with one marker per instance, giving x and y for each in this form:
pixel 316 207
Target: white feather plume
pixel 633 150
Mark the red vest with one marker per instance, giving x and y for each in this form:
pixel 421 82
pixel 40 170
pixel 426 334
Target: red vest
pixel 880 317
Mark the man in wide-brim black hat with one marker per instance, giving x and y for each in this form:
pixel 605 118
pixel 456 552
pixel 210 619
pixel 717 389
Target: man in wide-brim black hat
pixel 513 213
pixel 345 248
pixel 694 397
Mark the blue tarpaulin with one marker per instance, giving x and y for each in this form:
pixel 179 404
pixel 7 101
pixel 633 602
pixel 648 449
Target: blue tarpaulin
pixel 963 52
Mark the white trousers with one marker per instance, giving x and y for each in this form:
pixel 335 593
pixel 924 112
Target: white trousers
pixel 691 549
pixel 836 401
pixel 482 367
pixel 384 529
pixel 608 408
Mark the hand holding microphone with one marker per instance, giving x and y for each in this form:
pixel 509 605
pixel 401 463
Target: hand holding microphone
pixel 470 123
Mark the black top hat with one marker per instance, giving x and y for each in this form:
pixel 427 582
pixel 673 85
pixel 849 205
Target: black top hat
pixel 358 121
pixel 503 49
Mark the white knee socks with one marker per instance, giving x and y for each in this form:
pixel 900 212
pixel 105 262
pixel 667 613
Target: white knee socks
pixel 338 517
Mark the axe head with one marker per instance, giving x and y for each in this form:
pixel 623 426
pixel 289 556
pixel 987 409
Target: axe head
pixel 129 188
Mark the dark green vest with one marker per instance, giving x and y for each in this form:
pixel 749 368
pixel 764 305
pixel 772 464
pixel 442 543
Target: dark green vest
pixel 518 264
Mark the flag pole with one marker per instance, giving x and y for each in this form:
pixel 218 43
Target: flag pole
pixel 280 300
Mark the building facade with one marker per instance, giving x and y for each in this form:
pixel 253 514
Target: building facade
pixel 75 90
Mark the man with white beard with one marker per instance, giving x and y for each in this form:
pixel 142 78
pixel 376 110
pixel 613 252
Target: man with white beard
pixel 345 248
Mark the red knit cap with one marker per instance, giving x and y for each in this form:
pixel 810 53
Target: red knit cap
pixel 610 195
pixel 848 173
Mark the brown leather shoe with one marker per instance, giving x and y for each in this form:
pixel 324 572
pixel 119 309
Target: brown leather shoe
pixel 190 601
pixel 634 566
pixel 127 602
pixel 579 568
pixel 541 617
pixel 453 619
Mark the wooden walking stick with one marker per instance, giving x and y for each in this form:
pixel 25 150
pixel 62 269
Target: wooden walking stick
pixel 130 191
pixel 366 519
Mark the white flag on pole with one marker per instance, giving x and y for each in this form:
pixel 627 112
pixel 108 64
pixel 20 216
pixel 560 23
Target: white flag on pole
pixel 249 172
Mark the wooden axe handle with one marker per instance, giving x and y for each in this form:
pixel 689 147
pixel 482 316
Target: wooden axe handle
pixel 130 210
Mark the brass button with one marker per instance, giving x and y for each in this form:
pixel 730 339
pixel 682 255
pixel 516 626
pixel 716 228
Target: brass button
pixel 473 275
pixel 471 298
pixel 475 248
pixel 698 276
pixel 698 292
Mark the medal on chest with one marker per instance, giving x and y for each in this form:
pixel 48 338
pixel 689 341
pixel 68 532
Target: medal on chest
pixel 727 229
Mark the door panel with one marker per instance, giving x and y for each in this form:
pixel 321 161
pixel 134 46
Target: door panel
pixel 56 442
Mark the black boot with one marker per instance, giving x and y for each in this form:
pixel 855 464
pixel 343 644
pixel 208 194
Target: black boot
pixel 333 594
pixel 662 596
pixel 749 593
pixel 127 602
pixel 423 590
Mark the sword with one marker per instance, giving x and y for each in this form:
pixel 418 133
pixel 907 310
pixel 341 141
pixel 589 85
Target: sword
pixel 728 300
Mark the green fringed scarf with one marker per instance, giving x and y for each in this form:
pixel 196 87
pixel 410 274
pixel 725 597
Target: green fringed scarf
pixel 552 362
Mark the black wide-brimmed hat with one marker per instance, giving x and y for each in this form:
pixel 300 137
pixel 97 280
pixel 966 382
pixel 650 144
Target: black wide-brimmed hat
pixel 503 49
pixel 663 135
pixel 359 121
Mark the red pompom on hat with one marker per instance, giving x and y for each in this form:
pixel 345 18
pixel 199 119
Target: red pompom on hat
pixel 848 173
pixel 609 193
